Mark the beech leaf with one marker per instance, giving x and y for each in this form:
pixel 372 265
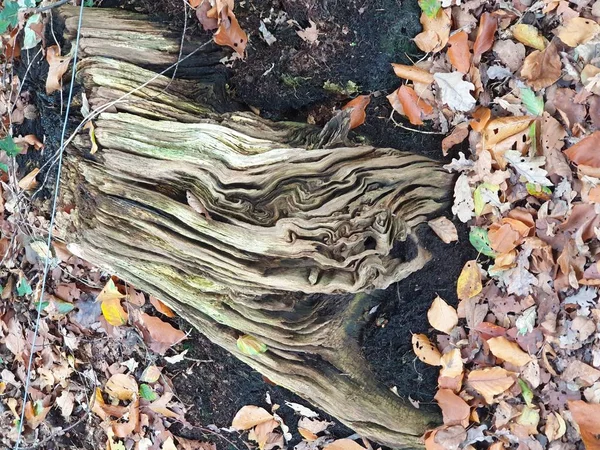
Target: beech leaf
pixel 442 316
pixel 444 229
pixel 485 35
pixel 529 35
pixel 587 417
pixel 160 335
pixel 458 51
pixel 490 382
pixel 357 111
pixel 425 350
pixel 542 68
pixel 455 410
pixel 250 416
pixel 110 299
pixel 534 105
pixel 469 284
pixel 251 346
pixel 508 351
pixel 577 31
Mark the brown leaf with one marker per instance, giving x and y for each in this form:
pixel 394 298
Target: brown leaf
pixel 587 417
pixel 36 415
pixel 552 135
pixel 121 386
pixel 442 316
pixel 413 73
pixel 162 335
pixel 508 351
pixel 343 444
pixel 481 117
pixel 542 68
pixel 230 33
pixel 160 406
pixel 455 410
pixel 452 365
pixel 202 13
pixel 29 140
pixel 458 51
pixel 425 350
pixel 102 410
pixel 436 31
pixel 585 152
pixel 414 108
pixel 161 307
pixel 58 65
pixel 28 182
pixel 126 429
pixel 577 31
pixel 358 114
pixel 485 35
pixel 490 382
pixel 444 229
pixel 250 416
pixel 458 135
pixel 499 129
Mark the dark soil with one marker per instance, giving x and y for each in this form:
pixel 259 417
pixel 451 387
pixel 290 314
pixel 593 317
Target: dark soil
pixel 358 40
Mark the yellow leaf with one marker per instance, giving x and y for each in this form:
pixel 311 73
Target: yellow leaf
pixel 121 386
pixel 112 310
pixel 469 281
pixel 452 365
pixel 251 346
pixel 529 35
pixel 578 31
pixel 529 418
pixel 499 129
pixel 508 351
pixel 413 73
pixel 490 382
pixel 442 316
pixel 425 350
pixel 250 416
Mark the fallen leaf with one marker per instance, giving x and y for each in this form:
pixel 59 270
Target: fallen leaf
pixel 458 135
pixel 585 152
pixel 151 374
pixel 511 53
pixel 463 199
pixel 455 92
pixel 577 31
pixel 508 351
pixel 58 65
pixel 481 117
pixel 529 167
pixel 161 307
pixel 497 130
pixel 126 429
pixel 250 416
pixel 302 410
pixel 587 417
pixel 121 386
pixel 542 68
pixel 202 10
pixel 251 346
pixel 35 413
pixel 436 31
pixel 555 427
pixel 442 316
pixel 490 382
pixel 110 299
pixel 485 35
pixel 413 73
pixel 529 35
pixel 444 229
pixel 469 281
pixel 458 51
pixel 162 335
pixel 452 364
pixel 343 444
pixel 230 33
pixel 28 182
pixel 357 112
pixel 310 34
pixel 425 350
pixel 161 406
pixel 455 410
pixel 414 108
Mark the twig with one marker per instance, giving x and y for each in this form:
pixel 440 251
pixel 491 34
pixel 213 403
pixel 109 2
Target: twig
pixel 412 129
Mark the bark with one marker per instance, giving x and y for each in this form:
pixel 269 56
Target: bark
pixel 242 225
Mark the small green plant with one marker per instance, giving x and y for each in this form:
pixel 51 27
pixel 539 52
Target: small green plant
pixel 430 7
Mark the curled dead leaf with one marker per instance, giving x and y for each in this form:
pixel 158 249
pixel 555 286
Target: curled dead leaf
pixel 250 416
pixel 58 65
pixel 414 108
pixel 542 68
pixel 357 113
pixel 458 51
pixel 585 152
pixel 502 128
pixel 413 73
pixel 436 31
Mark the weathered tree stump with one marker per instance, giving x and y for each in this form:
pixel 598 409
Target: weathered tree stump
pixel 242 225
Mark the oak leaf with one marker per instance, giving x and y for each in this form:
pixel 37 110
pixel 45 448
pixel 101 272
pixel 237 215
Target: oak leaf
pixel 542 68
pixel 490 382
pixel 456 92
pixel 463 199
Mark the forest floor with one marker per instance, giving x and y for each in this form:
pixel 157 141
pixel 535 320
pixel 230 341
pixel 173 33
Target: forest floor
pixel 515 327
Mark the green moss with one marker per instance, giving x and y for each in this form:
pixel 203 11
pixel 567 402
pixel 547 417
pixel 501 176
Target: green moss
pixel 350 89
pixel 291 81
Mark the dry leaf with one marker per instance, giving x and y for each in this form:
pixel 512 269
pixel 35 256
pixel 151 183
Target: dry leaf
pixel 452 364
pixel 160 406
pixel 92 131
pixel 58 65
pixel 585 152
pixel 456 92
pixel 162 335
pixel 542 68
pixel 577 31
pixel 555 426
pixel 458 51
pixel 463 199
pixel 508 351
pixel 485 35
pixel 436 31
pixel 414 108
pixel 250 416
pixel 587 417
pixel 413 73
pixel 458 135
pixel 455 410
pixel 442 316
pixel 529 35
pixel 425 350
pixel 444 229
pixel 469 281
pixel 126 429
pixel 230 33
pixel 121 386
pixel 490 382
pixel 358 114
pixel 161 307
pixel 110 299
pixel 310 34
pixel 28 183
pixel 343 444
pixel 35 415
pixel 151 374
pixel 500 129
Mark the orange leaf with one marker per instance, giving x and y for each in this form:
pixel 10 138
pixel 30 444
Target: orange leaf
pixel 161 335
pixel 230 33
pixel 586 152
pixel 161 307
pixel 413 106
pixel 413 73
pixel 250 416
pixel 358 114
pixel 425 350
pixel 27 183
pixel 35 415
pixel 454 409
pixel 58 65
pixel 481 117
pixel 126 429
pixel 587 417
pixel 508 351
pixel 458 51
pixel 485 35
pixel 499 129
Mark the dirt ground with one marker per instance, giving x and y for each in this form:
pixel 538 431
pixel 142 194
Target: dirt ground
pixel 357 42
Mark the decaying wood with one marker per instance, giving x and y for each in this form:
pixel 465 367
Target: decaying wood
pixel 242 225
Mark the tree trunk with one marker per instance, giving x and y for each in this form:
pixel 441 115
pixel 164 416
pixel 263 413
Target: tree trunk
pixel 242 225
